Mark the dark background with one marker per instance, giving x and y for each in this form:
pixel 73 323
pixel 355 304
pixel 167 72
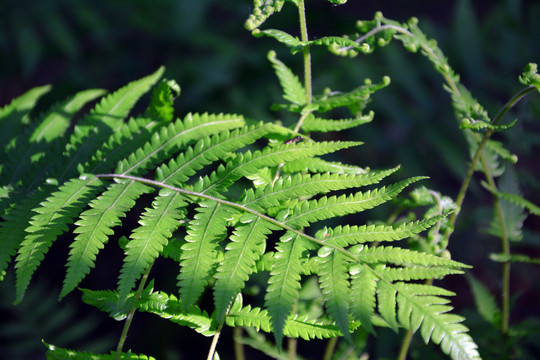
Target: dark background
pixel 82 44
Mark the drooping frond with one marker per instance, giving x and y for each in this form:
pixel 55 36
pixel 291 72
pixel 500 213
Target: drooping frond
pixel 95 227
pixel 284 281
pixel 208 150
pixel 147 241
pixel 333 278
pixel 200 250
pixel 51 220
pixel 246 246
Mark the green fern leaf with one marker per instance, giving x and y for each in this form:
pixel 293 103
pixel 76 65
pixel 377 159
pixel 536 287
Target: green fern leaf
pixel 51 220
pixel 52 126
pixel 295 326
pixel 248 163
pixel 363 290
pixel 530 76
pixel 386 298
pixel 200 250
pixel 398 256
pixel 349 235
pixel 292 42
pixel 147 241
pixel 336 45
pixel 317 165
pixel 245 248
pixel 108 301
pixel 302 185
pixel 314 124
pixel 431 314
pixel 208 150
pixel 95 227
pixel 415 273
pixel 176 135
pixel 333 278
pixel 58 353
pixel 485 302
pixel 284 281
pixel 170 308
pixel 105 119
pixel 359 96
pixel 293 90
pixel 325 208
pixel 15 220
pixel 15 115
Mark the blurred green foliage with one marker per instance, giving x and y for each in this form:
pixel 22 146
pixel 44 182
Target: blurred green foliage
pixel 220 67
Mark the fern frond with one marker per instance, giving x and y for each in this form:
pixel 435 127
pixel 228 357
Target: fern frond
pixel 284 281
pixel 95 226
pixel 102 121
pixel 318 165
pixel 248 163
pixel 292 42
pixel 333 279
pixel 51 220
pixel 295 326
pixel 328 207
pixel 292 88
pixel 399 256
pixel 430 314
pixel 350 235
pixel 386 299
pixel 170 308
pixel 51 127
pixel 172 138
pixel 15 115
pixel 58 353
pixel 245 248
pixel 415 273
pixel 301 185
pixel 363 290
pixel 359 95
pixel 12 228
pixel 315 124
pixel 148 240
pixel 208 150
pixel 200 250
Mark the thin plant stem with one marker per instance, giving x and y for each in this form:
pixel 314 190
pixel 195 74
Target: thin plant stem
pixel 239 353
pixel 465 185
pixel 405 344
pixel 131 314
pixel 305 51
pixel 330 346
pixel 215 339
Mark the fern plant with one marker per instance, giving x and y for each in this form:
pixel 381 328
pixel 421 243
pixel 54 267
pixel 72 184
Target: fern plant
pixel 226 198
